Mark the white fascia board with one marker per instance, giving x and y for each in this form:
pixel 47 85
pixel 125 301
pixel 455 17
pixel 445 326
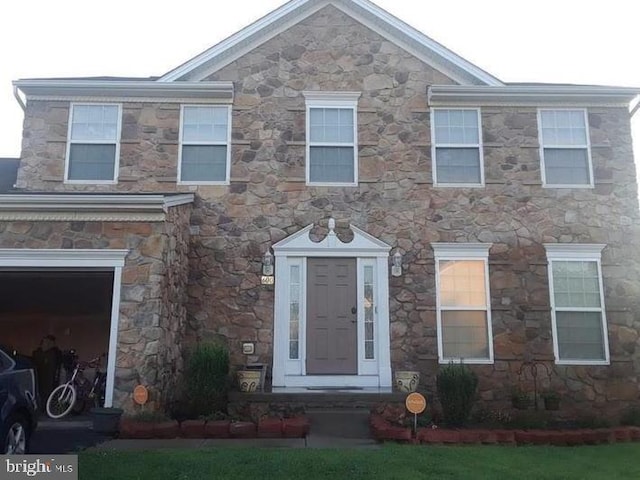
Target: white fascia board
pixel 149 90
pixel 404 29
pixel 295 11
pixel 461 250
pixel 75 203
pixel 233 41
pixel 566 251
pixel 61 258
pixel 447 95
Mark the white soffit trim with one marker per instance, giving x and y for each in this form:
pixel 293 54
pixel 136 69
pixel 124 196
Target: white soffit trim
pixel 364 11
pixel 136 90
pixel 567 251
pixel 534 95
pixel 461 250
pixel 89 207
pixel 28 257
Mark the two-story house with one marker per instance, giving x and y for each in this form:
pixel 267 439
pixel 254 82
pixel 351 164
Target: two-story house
pixel 415 209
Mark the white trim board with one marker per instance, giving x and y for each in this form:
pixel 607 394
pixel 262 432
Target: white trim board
pixel 363 11
pixel 85 259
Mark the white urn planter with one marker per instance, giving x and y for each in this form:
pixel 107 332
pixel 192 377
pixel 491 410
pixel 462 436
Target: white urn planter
pixel 249 380
pixel 406 380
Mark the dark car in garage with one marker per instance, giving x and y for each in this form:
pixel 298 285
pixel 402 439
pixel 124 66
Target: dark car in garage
pixel 18 405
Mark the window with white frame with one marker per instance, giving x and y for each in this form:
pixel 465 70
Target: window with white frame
pixel 204 144
pixel 332 138
pixel 457 147
pixel 369 312
pixel 565 149
pixel 295 300
pixel 577 304
pixel 93 143
pixel 463 302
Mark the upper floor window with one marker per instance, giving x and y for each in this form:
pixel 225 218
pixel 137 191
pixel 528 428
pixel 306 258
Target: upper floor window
pixel 565 150
pixel 577 304
pixel 457 147
pixel 332 138
pixel 93 143
pixel 463 302
pixel 205 136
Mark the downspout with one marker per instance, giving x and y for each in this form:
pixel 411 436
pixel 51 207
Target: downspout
pixel 20 102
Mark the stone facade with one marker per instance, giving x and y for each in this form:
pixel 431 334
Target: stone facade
pixel 395 201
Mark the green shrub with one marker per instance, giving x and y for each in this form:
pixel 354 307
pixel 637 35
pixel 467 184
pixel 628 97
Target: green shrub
pixel 631 417
pixel 457 386
pixel 207 379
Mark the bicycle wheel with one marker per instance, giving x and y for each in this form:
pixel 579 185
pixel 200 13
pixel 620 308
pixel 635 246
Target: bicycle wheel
pixel 61 401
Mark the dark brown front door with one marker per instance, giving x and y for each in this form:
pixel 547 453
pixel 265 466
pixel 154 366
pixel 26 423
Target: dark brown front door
pixel 332 337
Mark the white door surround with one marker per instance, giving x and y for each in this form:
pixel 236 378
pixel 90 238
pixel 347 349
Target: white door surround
pixel 110 259
pixel 289 355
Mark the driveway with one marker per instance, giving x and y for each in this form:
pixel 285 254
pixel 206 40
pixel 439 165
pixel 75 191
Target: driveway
pixel 64 436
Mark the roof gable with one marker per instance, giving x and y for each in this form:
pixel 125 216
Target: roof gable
pixel 363 11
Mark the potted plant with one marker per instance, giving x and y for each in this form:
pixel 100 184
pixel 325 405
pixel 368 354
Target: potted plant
pixel 406 380
pixel 520 399
pixel 551 400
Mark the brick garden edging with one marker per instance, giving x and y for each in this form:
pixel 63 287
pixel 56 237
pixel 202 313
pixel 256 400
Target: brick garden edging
pixel 382 430
pixel 296 427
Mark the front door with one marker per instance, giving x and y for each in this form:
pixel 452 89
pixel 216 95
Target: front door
pixel 332 336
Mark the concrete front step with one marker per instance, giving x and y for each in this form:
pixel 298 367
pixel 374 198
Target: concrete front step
pixel 357 399
pixel 339 423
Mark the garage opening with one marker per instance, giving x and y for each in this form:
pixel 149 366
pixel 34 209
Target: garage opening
pixel 41 309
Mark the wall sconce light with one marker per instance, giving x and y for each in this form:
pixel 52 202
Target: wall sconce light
pixel 396 264
pixel 267 264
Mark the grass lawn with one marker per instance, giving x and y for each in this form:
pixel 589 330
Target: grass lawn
pixel 608 462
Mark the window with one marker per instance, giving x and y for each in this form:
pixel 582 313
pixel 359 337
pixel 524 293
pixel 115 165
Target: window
pixel 295 292
pixel 577 305
pixel 332 138
pixel 463 302
pixel 457 147
pixel 369 311
pixel 204 145
pixel 93 145
pixel 565 151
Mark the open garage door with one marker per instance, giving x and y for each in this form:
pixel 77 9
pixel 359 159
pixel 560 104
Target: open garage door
pixel 43 310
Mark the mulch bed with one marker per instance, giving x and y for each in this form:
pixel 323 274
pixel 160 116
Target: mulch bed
pixel 384 430
pixel 296 427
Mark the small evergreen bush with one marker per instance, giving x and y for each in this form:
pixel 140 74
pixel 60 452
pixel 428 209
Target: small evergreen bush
pixel 631 417
pixel 457 386
pixel 207 379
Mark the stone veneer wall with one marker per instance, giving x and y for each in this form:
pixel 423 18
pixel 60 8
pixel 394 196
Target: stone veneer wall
pixel 152 308
pixel 394 201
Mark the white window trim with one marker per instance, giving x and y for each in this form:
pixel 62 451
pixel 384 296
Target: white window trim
pixel 463 251
pixel 478 145
pixel 568 253
pixel 543 172
pixel 227 143
pixel 342 100
pixel 116 160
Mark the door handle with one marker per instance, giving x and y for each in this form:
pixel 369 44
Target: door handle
pixel 354 310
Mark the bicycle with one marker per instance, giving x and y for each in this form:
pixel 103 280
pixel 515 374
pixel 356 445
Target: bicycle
pixel 73 394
